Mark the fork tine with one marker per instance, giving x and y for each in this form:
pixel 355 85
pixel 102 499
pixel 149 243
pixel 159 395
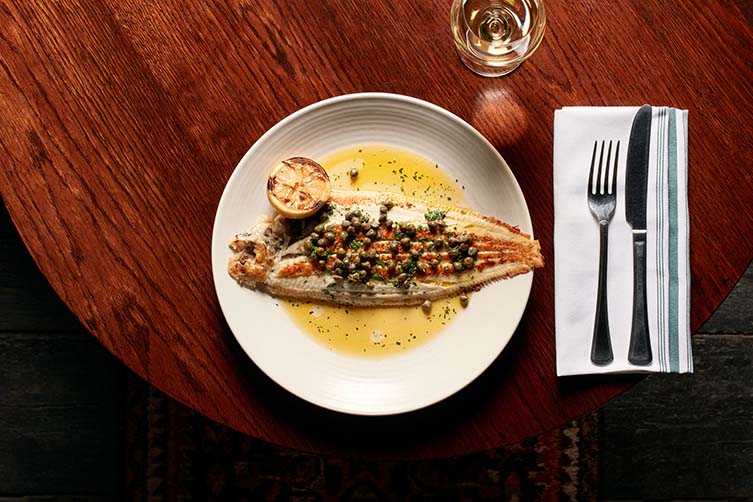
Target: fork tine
pixel 614 171
pixel 608 170
pixel 600 185
pixel 591 172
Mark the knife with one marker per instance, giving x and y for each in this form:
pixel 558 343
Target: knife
pixel 636 188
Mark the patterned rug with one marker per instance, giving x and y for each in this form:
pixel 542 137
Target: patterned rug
pixel 174 454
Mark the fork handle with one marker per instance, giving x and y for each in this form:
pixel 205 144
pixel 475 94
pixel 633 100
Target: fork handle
pixel 601 346
pixel 640 343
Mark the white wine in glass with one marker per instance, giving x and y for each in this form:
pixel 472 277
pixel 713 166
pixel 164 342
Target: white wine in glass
pixel 494 36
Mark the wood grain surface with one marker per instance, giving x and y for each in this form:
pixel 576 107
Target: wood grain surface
pixel 120 123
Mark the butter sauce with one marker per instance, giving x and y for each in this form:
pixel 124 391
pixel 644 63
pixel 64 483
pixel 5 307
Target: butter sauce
pixel 375 332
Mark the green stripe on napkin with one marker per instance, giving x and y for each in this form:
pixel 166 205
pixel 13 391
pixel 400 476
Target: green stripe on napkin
pixel 674 351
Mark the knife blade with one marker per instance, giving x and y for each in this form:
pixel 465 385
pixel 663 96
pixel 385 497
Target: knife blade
pixel 636 196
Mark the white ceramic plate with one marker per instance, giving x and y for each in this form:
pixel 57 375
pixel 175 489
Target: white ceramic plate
pixel 392 384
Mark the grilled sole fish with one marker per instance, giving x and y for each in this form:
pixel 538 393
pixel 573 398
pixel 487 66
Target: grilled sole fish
pixel 373 249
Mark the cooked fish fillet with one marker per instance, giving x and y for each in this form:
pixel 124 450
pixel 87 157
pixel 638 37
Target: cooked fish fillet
pixel 376 249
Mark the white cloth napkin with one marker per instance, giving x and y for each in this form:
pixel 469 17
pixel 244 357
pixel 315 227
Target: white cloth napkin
pixel 576 242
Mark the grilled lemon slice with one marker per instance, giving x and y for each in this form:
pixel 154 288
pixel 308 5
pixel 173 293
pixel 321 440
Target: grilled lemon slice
pixel 298 187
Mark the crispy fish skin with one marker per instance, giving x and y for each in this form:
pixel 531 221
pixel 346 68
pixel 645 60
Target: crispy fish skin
pixel 364 255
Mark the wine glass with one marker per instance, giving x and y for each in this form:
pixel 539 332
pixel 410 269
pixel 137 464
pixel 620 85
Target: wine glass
pixel 493 37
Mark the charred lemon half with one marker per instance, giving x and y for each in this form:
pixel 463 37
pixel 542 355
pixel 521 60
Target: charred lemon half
pixel 298 187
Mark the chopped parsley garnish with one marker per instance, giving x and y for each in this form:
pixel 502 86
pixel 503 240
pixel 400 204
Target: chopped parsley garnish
pixel 435 215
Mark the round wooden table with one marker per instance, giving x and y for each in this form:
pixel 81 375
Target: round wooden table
pixel 122 121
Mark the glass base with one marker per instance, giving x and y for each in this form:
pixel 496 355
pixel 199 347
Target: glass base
pixel 487 70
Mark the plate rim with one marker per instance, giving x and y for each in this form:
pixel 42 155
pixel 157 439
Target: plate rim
pixel 313 107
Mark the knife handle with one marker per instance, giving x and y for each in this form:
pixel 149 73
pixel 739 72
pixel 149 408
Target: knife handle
pixel 640 343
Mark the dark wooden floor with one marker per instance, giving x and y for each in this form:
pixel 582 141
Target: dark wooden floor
pixel 670 437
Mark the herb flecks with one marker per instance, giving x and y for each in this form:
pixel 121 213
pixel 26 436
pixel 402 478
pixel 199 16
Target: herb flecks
pixel 435 215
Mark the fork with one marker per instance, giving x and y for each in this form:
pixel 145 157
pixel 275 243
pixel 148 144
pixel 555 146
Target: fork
pixel 602 199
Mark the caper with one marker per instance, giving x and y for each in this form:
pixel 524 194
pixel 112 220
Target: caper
pixel 365 226
pixel 319 250
pixel 322 243
pixel 405 264
pixel 354 277
pixel 472 251
pixel 362 273
pixel 465 246
pixel 422 266
pixel 382 218
pixel 389 264
pixel 454 253
pixel 388 224
pixel 344 236
pixel 349 215
pixel 319 228
pixel 463 300
pixel 458 266
pixel 415 253
pixel 356 260
pixel 371 233
pixel 433 263
pixel 345 224
pixel 438 243
pixel 366 242
pixel 454 241
pixel 366 265
pixel 402 277
pixel 351 267
pixel 315 236
pixel 389 205
pixel 432 225
pixel 410 230
pixel 383 209
pixel 322 263
pixel 351 230
pixel 405 242
pixel 353 172
pixel 426 306
pixel 468 262
pixel 330 236
pixel 356 213
pixel 371 255
pixel 394 246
